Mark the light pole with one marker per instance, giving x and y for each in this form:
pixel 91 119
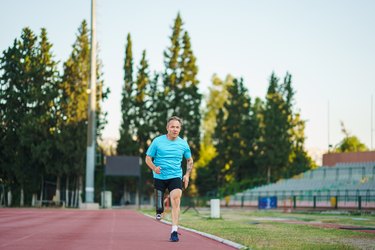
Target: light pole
pixel 91 128
pixel 372 128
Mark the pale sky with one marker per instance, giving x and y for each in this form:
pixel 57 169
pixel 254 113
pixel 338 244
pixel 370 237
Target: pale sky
pixel 328 46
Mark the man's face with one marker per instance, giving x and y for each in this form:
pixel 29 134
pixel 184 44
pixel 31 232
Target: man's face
pixel 173 128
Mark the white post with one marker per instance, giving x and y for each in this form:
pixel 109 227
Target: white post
pixel 106 197
pixel 215 208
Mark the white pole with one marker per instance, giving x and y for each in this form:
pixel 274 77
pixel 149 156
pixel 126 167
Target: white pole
pixel 91 128
pixel 328 135
pixel 372 128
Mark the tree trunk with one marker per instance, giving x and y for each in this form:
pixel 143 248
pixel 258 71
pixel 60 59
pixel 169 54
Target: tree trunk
pixel 80 186
pixel 76 192
pixel 2 198
pixel 9 197
pixel 33 199
pixel 58 187
pixel 72 197
pixel 268 175
pixel 22 198
pixel 67 191
pixel 42 189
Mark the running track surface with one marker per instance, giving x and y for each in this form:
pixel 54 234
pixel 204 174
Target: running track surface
pixel 57 229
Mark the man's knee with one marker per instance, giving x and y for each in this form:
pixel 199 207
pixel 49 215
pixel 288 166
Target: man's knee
pixel 176 193
pixel 176 196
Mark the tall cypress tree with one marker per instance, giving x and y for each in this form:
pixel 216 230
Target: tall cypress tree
pixel 156 105
pixel 75 101
pixel 141 122
pixel 41 130
pixel 237 135
pixel 144 119
pixel 190 97
pixel 166 104
pixel 16 84
pixel 182 97
pixel 259 176
pixel 181 85
pixel 171 62
pixel 126 143
pixel 276 144
pixel 299 160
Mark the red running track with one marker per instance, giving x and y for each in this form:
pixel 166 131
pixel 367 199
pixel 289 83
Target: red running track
pixel 57 229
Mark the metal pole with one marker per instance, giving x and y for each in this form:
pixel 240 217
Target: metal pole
pixel 91 129
pixel 328 135
pixel 372 128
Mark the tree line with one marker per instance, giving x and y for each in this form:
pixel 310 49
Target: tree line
pixel 43 117
pixel 236 142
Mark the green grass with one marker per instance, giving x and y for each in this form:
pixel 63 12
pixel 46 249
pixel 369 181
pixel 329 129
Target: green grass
pixel 269 230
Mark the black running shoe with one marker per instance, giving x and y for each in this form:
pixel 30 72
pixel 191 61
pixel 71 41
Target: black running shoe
pixel 174 237
pixel 158 216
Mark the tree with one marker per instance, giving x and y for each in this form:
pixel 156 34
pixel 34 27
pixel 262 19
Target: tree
pixel 41 126
pixel 16 68
pixel 126 143
pixel 75 101
pixel 206 180
pixel 275 144
pixel 231 134
pixel 349 143
pixel 11 103
pixel 235 136
pixel 189 96
pixel 217 96
pixel 299 160
pixel 181 85
pixel 28 100
pixel 141 118
pixel 144 129
pixel 280 148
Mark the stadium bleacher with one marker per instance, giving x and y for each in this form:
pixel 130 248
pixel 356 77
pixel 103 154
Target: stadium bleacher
pixel 342 185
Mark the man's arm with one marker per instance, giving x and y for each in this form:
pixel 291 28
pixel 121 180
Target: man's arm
pixel 151 165
pixel 189 168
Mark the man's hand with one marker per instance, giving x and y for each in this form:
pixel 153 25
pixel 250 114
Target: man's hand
pixel 185 179
pixel 157 170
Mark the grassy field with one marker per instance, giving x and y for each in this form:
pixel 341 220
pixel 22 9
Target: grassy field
pixel 277 230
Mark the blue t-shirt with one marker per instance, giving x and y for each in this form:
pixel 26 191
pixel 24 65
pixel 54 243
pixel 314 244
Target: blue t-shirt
pixel 168 154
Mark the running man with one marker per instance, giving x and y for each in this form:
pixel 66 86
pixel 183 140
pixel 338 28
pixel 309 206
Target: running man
pixel 164 157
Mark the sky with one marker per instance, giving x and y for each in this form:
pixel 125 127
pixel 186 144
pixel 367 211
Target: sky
pixel 328 46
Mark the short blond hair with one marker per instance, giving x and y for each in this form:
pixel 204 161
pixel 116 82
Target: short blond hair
pixel 175 118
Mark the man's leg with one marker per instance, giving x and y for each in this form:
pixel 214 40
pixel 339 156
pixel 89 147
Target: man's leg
pixel 159 187
pixel 159 200
pixel 175 192
pixel 175 195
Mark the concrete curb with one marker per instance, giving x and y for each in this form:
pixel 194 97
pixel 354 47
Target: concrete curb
pixel 210 236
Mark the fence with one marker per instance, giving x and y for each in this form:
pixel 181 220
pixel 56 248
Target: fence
pixel 324 200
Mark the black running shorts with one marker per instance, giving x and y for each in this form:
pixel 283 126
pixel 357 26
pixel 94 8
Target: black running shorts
pixel 169 184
